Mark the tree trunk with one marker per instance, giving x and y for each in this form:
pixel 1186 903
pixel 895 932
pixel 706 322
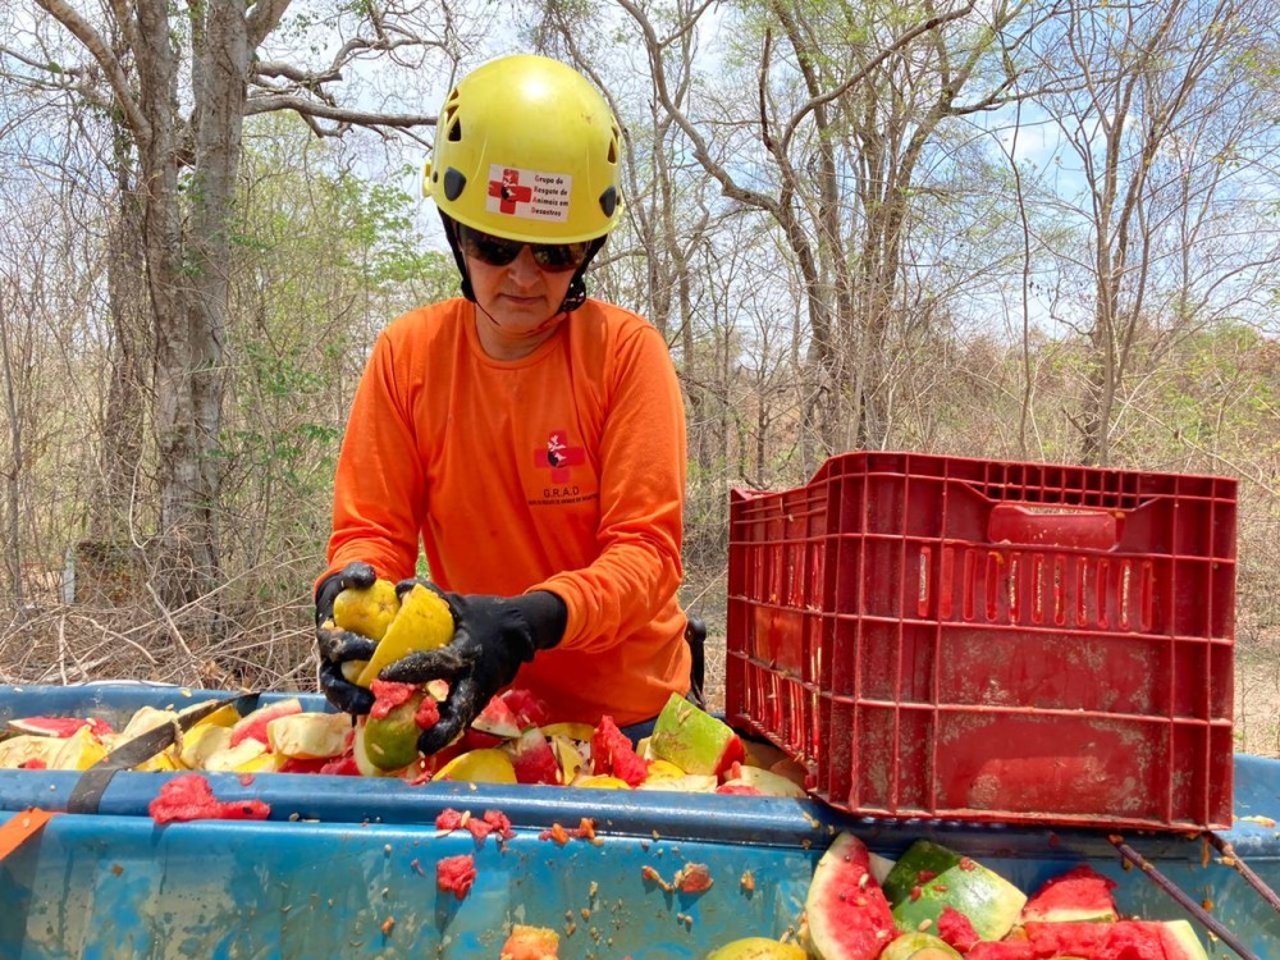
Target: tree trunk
pixel 188 280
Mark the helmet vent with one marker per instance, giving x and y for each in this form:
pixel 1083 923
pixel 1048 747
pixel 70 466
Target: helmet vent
pixel 454 183
pixel 455 131
pixel 613 147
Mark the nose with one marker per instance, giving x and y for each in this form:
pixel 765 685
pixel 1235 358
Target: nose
pixel 524 269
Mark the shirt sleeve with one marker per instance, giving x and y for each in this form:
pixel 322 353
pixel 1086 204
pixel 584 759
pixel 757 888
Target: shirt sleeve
pixel 379 485
pixel 642 485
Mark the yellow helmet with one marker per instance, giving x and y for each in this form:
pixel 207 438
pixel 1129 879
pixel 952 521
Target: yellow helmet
pixel 527 149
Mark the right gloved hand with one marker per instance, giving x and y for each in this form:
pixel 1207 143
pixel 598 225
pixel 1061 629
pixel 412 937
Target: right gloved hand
pixel 336 647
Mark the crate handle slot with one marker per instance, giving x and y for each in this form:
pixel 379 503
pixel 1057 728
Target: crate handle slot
pixel 1084 527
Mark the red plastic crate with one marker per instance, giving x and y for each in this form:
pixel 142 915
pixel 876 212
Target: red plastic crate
pixel 958 638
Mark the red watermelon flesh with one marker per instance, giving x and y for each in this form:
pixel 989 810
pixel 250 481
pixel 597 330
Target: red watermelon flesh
pixel 533 759
pixel 1122 940
pixel 190 797
pixel 497 719
pixel 61 727
pixel 1080 894
pixel 955 930
pixel 849 917
pixel 254 726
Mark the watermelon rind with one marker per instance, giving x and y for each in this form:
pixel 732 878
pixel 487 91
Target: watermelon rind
pixel 991 902
pixel 847 914
pixel 1081 895
pixel 919 946
pixel 923 856
pixel 1181 942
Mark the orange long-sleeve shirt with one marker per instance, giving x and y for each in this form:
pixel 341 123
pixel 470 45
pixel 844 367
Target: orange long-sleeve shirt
pixel 561 471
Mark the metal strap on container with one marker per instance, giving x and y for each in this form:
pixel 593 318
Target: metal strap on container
pixel 88 791
pixel 1212 923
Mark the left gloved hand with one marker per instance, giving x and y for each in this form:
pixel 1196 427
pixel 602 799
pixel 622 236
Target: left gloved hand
pixel 336 647
pixel 493 637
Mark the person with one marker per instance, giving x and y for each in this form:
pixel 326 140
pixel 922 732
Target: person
pixel 534 438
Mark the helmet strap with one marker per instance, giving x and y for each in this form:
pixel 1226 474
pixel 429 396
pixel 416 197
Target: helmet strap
pixel 576 295
pixel 451 233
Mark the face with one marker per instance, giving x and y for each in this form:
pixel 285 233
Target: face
pixel 520 287
pixel 520 297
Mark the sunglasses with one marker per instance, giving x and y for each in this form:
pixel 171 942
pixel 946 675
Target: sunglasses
pixel 499 251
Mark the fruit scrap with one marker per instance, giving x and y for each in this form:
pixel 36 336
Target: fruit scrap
pixel 955 929
pixel 650 875
pixel 613 754
pixel 747 882
pixel 190 797
pixel 456 875
pixel 389 695
pixel 556 833
pixel 387 926
pixel 531 943
pixel 450 819
pixel 693 878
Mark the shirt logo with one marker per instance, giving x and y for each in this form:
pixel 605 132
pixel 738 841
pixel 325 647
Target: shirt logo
pixel 558 457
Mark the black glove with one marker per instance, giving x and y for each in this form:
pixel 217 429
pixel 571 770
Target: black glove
pixel 493 637
pixel 337 647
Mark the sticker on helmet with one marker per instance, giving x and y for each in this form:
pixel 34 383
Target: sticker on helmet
pixel 528 194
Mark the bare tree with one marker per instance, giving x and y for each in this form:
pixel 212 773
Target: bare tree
pixel 1165 121
pixel 180 80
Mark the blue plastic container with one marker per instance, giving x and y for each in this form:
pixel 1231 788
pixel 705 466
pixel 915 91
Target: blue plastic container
pixel 345 867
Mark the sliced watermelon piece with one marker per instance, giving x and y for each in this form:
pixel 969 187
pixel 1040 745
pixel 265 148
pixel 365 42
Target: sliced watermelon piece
pixel 1080 894
pixel 1122 940
pixel 497 719
pixel 612 754
pixel 59 726
pixel 693 740
pixel 254 725
pixel 849 917
pixel 528 709
pixel 533 759
pixel 941 878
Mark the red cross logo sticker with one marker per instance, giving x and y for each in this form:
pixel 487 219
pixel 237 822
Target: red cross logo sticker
pixel 509 191
pixel 558 457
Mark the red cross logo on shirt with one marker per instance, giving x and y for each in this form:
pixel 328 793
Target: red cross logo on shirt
pixel 509 191
pixel 558 457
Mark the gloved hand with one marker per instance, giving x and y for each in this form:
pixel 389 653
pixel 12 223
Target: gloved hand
pixel 492 638
pixel 336 647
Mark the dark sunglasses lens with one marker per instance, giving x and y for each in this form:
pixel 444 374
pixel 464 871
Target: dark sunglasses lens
pixel 559 257
pixel 492 250
pixel 498 251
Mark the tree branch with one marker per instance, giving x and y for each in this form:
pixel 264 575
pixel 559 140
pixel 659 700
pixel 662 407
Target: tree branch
pixel 262 19
pixel 63 12
pixel 310 108
pixel 834 94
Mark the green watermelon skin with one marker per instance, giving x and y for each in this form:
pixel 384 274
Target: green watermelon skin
pixel 991 903
pixel 923 860
pixel 847 913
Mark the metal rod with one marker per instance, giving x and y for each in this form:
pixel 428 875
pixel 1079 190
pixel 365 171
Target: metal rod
pixel 1177 893
pixel 1232 859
